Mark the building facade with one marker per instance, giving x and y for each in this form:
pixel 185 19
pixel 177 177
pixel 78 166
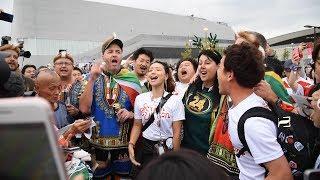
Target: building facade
pixel 81 26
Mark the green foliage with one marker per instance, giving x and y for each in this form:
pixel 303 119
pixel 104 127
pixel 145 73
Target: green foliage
pixel 208 43
pixel 285 54
pixel 187 53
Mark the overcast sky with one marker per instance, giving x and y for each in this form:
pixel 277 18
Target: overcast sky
pixel 269 17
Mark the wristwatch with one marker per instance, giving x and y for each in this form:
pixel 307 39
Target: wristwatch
pixel 278 102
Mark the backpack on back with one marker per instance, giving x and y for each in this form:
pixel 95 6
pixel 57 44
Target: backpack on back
pixel 295 134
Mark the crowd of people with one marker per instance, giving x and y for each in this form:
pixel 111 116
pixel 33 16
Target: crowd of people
pixel 200 122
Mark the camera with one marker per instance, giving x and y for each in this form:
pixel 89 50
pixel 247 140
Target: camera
pixel 23 53
pixel 5 40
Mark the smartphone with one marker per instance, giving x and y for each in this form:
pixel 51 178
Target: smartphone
pixel 312 174
pixel 71 149
pixel 28 140
pixel 6 17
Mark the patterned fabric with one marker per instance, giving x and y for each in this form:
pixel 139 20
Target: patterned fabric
pixel 221 149
pixel 129 82
pixel 277 86
pixel 62 118
pixel 75 92
pixel 75 168
pixel 109 133
pixel 200 111
pixel 118 162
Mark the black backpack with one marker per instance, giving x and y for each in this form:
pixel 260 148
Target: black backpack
pixel 295 134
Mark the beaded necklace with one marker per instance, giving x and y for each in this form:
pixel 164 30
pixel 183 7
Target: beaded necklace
pixel 111 97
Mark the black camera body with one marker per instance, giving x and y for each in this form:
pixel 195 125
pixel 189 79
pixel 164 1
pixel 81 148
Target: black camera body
pixel 23 53
pixel 6 39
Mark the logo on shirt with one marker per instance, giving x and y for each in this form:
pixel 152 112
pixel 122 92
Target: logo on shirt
pixel 198 103
pixel 298 146
pixel 293 165
pixel 147 111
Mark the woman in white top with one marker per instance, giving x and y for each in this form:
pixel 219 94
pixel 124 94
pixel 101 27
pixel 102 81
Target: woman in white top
pixel 166 124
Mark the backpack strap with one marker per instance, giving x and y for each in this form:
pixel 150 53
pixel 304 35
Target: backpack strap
pixel 253 112
pixel 160 105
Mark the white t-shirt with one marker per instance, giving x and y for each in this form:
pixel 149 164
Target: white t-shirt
pixel 261 137
pixel 181 88
pixel 161 128
pixel 300 90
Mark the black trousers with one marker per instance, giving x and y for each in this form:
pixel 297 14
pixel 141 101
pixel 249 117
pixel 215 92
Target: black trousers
pixel 145 152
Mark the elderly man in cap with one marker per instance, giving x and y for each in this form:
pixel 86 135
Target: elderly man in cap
pixel 109 96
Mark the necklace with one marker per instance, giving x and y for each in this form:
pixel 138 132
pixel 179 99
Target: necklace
pixel 111 97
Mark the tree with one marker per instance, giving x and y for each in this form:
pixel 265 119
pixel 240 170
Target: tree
pixel 187 53
pixel 285 54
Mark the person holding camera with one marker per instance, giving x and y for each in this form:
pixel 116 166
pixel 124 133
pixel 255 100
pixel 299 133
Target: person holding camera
pixel 12 61
pixel 11 83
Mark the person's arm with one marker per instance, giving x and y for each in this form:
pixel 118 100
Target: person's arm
pixel 176 128
pixel 277 86
pixel 315 116
pixel 263 89
pixel 79 126
pixel 261 137
pixel 278 169
pixel 124 115
pixel 292 82
pixel 86 97
pixel 134 136
pixel 72 111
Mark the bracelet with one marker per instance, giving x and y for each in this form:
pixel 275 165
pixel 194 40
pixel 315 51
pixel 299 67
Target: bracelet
pixel 278 102
pixel 130 143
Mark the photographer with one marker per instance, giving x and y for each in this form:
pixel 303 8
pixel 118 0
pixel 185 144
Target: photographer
pixel 12 61
pixel 11 83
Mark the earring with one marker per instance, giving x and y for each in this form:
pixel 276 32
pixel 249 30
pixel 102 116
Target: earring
pixel 165 86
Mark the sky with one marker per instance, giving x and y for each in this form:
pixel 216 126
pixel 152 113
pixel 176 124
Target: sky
pixel 269 17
